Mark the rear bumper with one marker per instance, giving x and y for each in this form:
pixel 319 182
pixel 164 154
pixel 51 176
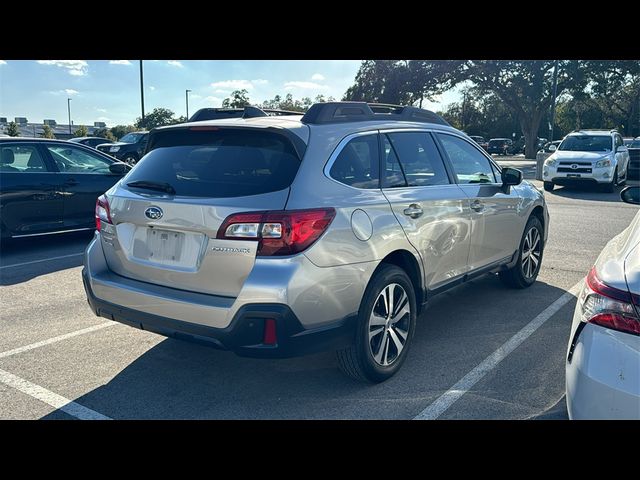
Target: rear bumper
pixel 603 376
pixel 244 335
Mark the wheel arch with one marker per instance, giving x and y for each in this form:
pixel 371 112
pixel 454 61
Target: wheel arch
pixel 408 262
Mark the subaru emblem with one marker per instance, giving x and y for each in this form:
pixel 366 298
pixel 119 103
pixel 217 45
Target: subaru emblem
pixel 154 213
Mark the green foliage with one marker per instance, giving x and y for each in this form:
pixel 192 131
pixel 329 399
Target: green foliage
pixel 13 130
pixel 238 99
pixel 157 118
pixel 104 133
pixel 120 131
pixel 81 131
pixel 291 104
pixel 47 132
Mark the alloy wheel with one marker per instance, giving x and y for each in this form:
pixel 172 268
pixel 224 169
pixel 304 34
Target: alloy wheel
pixel 531 252
pixel 389 324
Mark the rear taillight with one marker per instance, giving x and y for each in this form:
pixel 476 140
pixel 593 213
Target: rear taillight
pixel 278 232
pixel 102 211
pixel 607 306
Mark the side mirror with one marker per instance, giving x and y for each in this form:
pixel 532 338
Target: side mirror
pixel 119 168
pixel 552 148
pixel 511 176
pixel 631 195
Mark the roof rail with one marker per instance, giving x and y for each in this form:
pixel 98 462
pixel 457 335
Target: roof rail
pixel 340 112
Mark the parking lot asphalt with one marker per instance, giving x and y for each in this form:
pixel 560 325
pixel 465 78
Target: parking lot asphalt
pixel 57 360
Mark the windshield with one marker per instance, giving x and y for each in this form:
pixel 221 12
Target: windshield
pixel 586 143
pixel 131 137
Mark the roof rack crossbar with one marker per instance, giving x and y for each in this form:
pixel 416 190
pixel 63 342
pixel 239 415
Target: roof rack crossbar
pixel 340 112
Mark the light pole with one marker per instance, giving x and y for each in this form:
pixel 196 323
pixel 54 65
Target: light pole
pixel 69 112
pixel 553 102
pixel 142 91
pixel 186 96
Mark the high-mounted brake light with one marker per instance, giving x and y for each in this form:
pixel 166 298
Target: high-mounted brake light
pixel 278 232
pixel 103 214
pixel 607 306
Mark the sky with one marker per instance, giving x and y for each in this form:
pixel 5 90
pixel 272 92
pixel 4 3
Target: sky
pixel 109 90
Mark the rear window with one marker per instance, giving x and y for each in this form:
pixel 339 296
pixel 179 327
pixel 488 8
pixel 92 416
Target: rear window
pixel 224 163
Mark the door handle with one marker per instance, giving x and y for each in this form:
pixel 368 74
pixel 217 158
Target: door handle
pixel 477 206
pixel 414 210
pixel 71 182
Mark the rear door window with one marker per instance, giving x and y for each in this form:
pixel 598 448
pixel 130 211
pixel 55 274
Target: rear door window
pixel 420 159
pixel 219 163
pixel 24 158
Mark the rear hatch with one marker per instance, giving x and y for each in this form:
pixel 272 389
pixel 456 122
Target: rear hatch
pixel 165 214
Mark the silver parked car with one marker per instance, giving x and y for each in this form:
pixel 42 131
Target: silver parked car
pixel 275 236
pixel 603 358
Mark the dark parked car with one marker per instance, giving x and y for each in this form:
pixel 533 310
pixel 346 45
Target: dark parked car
pixel 129 148
pixel 501 146
pixel 50 186
pixel 633 170
pixel 90 141
pixel 219 113
pixel 480 141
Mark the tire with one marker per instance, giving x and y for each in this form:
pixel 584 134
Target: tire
pixel 376 358
pixel 130 158
pixel 524 273
pixel 548 186
pixel 611 186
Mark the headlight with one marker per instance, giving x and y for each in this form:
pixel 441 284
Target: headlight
pixel 114 149
pixel 550 162
pixel 603 163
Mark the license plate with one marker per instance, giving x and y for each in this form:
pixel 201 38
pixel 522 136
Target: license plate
pixel 165 246
pixel 573 175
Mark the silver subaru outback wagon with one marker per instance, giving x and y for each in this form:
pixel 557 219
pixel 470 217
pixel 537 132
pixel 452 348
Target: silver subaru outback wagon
pixel 281 235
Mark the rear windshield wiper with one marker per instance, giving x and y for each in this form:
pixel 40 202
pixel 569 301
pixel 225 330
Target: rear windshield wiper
pixel 149 185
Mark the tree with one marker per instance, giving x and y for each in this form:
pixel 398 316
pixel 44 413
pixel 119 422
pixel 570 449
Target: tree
pixel 104 133
pixel 12 129
pixel 120 131
pixel 47 132
pixel 81 131
pixel 157 118
pixel 615 87
pixel 238 99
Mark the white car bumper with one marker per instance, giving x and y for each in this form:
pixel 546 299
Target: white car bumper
pixel 603 377
pixel 599 175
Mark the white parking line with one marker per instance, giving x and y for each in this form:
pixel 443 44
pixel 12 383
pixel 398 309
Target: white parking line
pixel 47 396
pixel 59 338
pixel 43 260
pixel 444 401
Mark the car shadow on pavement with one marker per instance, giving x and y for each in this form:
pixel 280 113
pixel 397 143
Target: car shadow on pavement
pixel 180 380
pixel 26 258
pixel 585 192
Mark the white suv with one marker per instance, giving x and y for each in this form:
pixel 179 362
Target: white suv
pixel 598 157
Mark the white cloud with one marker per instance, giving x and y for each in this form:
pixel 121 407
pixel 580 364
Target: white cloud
pixel 152 88
pixel 74 67
pixel 213 99
pixel 175 63
pixel 260 81
pixel 102 110
pixel 2 62
pixel 221 91
pixel 119 62
pixel 104 119
pixel 233 85
pixel 67 91
pixel 317 77
pixel 194 95
pixel 304 86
